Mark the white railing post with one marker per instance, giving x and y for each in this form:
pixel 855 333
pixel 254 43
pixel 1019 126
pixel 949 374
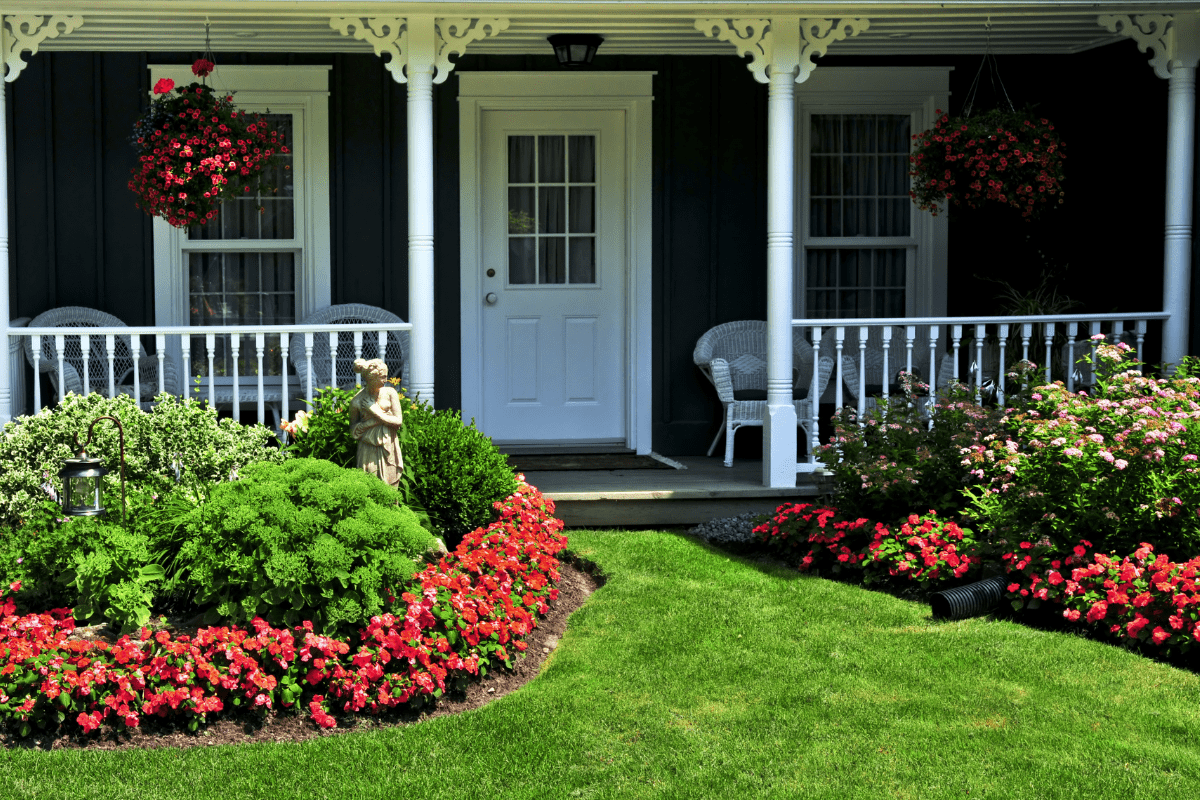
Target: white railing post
pixel 358 342
pixel 285 412
pixel 886 336
pixel 308 351
pixel 60 346
pixel 160 352
pixel 85 344
pixel 1026 335
pixel 814 395
pixel 110 348
pixel 134 348
pixel 839 337
pixel 37 373
pixel 934 332
pixel 1049 337
pixel 956 332
pixel 235 347
pixel 260 349
pixel 977 367
pixel 863 333
pixel 210 344
pixel 1072 332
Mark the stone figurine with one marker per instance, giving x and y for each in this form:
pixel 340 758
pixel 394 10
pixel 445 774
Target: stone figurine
pixel 375 420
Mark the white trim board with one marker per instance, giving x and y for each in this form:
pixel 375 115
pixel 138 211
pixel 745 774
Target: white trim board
pixel 627 91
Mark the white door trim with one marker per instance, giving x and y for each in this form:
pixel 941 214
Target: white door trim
pixel 627 91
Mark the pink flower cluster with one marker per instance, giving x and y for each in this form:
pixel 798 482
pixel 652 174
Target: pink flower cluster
pixel 456 617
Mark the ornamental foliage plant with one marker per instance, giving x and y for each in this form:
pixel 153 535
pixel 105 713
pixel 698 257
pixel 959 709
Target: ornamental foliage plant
pixel 175 431
pixel 323 431
pixel 457 618
pixel 305 539
pixel 1009 157
pixel 894 461
pixel 1115 464
pixel 196 150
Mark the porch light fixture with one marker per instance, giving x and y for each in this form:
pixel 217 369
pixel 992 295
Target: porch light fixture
pixel 81 478
pixel 575 50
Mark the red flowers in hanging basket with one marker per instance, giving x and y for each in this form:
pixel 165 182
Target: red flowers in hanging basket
pixel 1008 157
pixel 196 150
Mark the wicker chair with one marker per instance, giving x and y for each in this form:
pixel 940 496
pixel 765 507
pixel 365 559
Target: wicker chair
pixel 340 369
pixel 733 357
pixel 97 363
pixel 897 361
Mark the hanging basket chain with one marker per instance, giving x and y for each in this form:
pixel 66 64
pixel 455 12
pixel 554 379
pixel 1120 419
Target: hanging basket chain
pixel 988 60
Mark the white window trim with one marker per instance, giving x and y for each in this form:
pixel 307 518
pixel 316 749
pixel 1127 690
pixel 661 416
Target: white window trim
pixel 304 92
pixel 917 91
pixel 628 91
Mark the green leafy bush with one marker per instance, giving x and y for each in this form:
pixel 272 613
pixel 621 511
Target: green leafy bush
pixel 100 569
pixel 452 472
pixel 456 470
pixel 894 462
pixel 305 539
pixel 208 448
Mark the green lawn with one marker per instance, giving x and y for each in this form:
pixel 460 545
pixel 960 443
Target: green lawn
pixel 696 674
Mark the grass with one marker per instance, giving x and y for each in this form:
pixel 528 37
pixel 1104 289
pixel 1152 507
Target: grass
pixel 693 673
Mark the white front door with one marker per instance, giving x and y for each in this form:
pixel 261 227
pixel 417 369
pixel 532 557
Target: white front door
pixel 554 250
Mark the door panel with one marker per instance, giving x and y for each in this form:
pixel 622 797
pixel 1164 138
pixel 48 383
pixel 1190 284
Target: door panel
pixel 554 318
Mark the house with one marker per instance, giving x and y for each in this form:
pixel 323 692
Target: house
pixel 672 181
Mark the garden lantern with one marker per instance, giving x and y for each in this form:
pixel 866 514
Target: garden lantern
pixel 81 485
pixel 82 477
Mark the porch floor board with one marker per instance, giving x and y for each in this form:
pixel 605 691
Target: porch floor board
pixel 705 490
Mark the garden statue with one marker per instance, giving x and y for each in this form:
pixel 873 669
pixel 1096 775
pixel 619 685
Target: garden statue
pixel 375 420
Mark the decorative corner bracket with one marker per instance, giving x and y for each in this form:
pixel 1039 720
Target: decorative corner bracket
pixel 24 33
pixel 391 36
pixel 782 43
pixel 751 37
pixel 1150 33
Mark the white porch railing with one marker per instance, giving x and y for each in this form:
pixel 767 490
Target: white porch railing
pixel 176 342
pixel 945 345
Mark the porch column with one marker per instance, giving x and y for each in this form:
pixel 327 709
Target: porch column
pixel 1175 42
pixel 779 420
pixel 418 50
pixel 782 50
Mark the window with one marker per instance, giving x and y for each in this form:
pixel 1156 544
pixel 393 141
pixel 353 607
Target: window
pixel 264 260
pixel 864 250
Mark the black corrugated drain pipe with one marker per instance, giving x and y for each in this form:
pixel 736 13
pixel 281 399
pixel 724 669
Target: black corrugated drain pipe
pixel 970 600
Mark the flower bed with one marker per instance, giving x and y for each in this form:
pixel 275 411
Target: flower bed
pixel 457 618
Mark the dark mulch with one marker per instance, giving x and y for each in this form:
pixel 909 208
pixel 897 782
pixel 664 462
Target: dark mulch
pixel 574 588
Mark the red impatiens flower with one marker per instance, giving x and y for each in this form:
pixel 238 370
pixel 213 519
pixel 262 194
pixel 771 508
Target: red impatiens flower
pixel 203 68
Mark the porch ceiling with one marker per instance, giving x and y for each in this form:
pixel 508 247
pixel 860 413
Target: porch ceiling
pixel 663 26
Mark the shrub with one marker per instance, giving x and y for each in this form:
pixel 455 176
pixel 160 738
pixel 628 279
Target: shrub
pixel 816 536
pixel 922 549
pixel 895 462
pixel 457 473
pixel 305 539
pixel 324 430
pixel 100 569
pixel 207 447
pixel 1116 465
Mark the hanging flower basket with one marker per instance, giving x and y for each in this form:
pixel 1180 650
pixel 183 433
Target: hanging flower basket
pixel 196 150
pixel 1007 157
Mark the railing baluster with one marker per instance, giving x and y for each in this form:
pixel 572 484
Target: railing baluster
pixel 839 336
pixel 934 331
pixel 235 348
pixel 956 332
pixel 110 348
pixel 910 336
pixel 1095 332
pixel 260 349
pixel 814 405
pixel 186 352
pixel 284 341
pixel 887 351
pixel 210 344
pixel 358 341
pixel 980 334
pixel 1140 330
pixel 133 354
pixel 160 351
pixel 37 374
pixel 1072 332
pixel 85 343
pixel 1049 337
pixel 863 332
pixel 1026 335
pixel 334 339
pixel 1003 369
pixel 308 351
pixel 383 338
pixel 60 345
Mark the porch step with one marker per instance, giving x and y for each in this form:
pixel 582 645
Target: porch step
pixel 705 490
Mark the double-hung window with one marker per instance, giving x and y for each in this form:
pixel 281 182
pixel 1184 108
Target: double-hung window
pixel 264 259
pixel 864 249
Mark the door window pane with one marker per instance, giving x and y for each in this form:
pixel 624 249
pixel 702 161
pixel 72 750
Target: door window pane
pixel 552 220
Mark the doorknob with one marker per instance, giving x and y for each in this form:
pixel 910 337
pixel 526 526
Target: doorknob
pixel 491 298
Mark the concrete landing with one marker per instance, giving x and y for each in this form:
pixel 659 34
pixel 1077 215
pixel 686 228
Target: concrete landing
pixel 705 490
